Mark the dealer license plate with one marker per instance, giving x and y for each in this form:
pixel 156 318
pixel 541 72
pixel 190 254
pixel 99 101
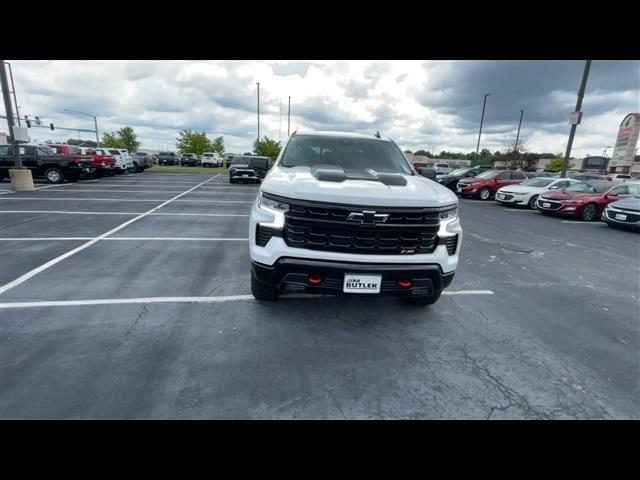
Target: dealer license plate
pixel 546 205
pixel 620 216
pixel 356 283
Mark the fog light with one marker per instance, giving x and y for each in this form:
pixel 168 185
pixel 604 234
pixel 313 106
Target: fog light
pixel 315 280
pixel 404 283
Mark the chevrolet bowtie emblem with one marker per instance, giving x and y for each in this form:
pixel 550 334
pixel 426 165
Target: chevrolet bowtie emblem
pixel 367 217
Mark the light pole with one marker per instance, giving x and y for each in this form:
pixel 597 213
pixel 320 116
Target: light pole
pixel 289 119
pixel 604 152
pixel 258 84
pixel 13 88
pixel 484 104
pixel 9 110
pixel 518 135
pixel 575 117
pixel 95 122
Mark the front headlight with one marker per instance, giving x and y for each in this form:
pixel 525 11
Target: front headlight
pixel 271 204
pixel 450 214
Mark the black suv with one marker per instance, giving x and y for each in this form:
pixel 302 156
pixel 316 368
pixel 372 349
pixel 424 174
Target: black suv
pixel 450 180
pixel 190 159
pixel 167 158
pixel 248 168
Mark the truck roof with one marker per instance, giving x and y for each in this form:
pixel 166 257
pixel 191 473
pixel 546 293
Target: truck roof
pixel 341 134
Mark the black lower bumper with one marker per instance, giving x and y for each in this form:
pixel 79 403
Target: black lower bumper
pixel 292 274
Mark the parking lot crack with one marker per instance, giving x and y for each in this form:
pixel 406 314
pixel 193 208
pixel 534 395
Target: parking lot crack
pixel 140 315
pixel 513 398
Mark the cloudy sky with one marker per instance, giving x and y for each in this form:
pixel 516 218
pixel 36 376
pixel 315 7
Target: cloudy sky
pixel 420 104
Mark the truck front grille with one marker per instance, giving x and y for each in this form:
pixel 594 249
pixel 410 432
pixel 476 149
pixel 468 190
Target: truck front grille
pixel 406 231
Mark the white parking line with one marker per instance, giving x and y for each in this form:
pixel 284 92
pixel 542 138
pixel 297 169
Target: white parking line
pixel 58 259
pixel 64 212
pixel 519 210
pixel 158 191
pixel 579 222
pixel 88 199
pixel 124 301
pixel 146 239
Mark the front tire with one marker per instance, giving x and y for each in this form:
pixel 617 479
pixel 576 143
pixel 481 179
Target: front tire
pixel 263 292
pixel 485 193
pixel 532 202
pixel 422 300
pixel 589 212
pixel 54 175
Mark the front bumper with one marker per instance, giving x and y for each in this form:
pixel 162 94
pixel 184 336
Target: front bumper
pixel 607 216
pixel 292 275
pixel 511 199
pixel 243 175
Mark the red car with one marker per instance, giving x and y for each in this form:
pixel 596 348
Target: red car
pixel 486 184
pixel 585 200
pixel 103 164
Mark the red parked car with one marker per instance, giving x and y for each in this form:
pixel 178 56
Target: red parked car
pixel 103 164
pixel 486 184
pixel 585 200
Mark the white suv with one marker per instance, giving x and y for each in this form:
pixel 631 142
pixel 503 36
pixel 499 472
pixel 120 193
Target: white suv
pixel 346 213
pixel 211 159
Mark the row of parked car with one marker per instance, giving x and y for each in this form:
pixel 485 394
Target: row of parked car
pixel 207 159
pixel 614 198
pixel 59 162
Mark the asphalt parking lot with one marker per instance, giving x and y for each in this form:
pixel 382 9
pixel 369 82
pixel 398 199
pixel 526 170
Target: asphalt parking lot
pixel 129 297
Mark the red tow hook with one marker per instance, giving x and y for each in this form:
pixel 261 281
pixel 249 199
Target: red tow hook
pixel 315 280
pixel 404 283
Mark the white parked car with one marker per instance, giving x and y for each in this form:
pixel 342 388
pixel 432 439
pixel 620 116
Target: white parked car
pixel 619 177
pixel 443 169
pixel 526 193
pixel 211 159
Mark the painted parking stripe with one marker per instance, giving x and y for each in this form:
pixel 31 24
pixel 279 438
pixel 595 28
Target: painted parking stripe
pixel 156 191
pixel 146 239
pixel 220 299
pixel 88 199
pixel 64 212
pixel 80 248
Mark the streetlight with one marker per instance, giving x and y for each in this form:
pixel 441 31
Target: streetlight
pixel 258 84
pixel 13 88
pixel 604 152
pixel 575 118
pixel 95 121
pixel 484 104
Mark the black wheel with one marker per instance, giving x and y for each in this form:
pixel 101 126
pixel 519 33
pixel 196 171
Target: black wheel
pixel 589 212
pixel 422 300
pixel 54 175
pixel 532 203
pixel 263 291
pixel 485 193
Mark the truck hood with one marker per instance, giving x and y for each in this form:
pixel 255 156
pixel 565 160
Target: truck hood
pixel 300 183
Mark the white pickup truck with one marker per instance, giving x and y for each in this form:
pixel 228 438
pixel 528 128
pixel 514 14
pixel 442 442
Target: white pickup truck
pixel 347 214
pixel 124 161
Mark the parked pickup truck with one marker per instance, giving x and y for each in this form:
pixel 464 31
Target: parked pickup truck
pixel 44 162
pixel 124 163
pixel 103 164
pixel 142 160
pixel 343 213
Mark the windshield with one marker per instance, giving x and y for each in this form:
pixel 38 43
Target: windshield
pixel 538 182
pixel 488 174
pixel 240 161
pixel 207 155
pixel 589 187
pixel 115 152
pixel 348 153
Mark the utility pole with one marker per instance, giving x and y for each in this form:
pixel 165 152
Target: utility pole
pixel 258 114
pixel 576 116
pixel 289 119
pixel 13 89
pixel 280 123
pixel 518 135
pixel 604 153
pixel 484 104
pixel 9 110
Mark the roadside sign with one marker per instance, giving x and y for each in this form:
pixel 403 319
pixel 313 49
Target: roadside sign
pixel 575 118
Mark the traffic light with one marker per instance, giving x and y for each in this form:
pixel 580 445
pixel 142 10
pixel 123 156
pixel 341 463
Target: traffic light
pixel 38 122
pixel 28 122
pixel 51 126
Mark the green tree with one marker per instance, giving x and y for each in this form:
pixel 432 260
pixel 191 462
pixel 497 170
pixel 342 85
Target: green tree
pixel 422 153
pixel 267 147
pixel 555 164
pixel 218 145
pixel 129 139
pixel 110 140
pixel 189 141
